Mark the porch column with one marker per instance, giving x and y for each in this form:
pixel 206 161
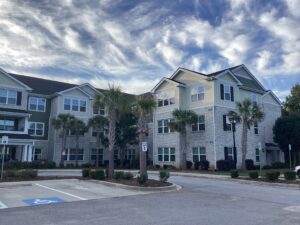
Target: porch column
pixel 26 125
pixel 29 156
pixel 24 153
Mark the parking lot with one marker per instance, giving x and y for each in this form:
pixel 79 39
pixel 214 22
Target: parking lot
pixel 18 194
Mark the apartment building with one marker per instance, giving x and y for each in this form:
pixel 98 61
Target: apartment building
pixel 211 97
pixel 27 106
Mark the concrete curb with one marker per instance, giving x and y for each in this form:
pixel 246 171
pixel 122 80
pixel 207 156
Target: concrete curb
pixel 172 187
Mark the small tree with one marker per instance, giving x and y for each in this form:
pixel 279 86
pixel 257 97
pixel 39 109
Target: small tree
pixel 77 127
pixel 99 124
pixel 145 105
pixel 114 101
pixel 248 114
pixel 183 118
pixel 63 122
pixel 292 102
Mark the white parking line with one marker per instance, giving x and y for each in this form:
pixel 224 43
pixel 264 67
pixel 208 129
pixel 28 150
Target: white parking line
pixel 52 189
pixel 2 205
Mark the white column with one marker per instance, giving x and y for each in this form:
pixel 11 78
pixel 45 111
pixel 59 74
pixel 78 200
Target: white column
pixel 29 156
pixel 26 125
pixel 24 153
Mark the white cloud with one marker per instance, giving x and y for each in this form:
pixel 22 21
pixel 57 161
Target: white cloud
pixel 171 55
pixel 294 6
pixel 263 59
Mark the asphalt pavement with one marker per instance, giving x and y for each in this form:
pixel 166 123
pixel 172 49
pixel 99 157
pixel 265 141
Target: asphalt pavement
pixel 200 201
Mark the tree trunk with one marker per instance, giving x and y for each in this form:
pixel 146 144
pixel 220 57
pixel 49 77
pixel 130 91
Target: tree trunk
pixel 111 138
pixel 244 145
pixel 63 146
pixel 183 150
pixel 142 135
pixel 77 148
pixel 97 149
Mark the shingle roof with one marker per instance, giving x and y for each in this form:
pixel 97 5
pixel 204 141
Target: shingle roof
pixel 221 71
pixel 43 86
pixel 249 83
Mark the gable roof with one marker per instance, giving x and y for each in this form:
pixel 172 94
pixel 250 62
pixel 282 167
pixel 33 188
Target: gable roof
pixel 43 86
pixel 16 80
pixel 175 82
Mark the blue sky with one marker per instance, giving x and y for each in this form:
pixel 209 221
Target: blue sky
pixel 136 43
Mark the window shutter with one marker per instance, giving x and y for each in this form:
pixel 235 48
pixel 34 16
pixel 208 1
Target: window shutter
pixel 225 153
pixel 19 98
pixel 224 123
pixel 232 94
pixel 222 91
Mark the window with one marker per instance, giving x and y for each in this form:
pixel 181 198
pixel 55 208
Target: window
pixel 73 133
pixel 199 154
pixel 8 125
pixel 227 126
pixel 94 154
pixel 200 124
pixel 166 154
pixel 37 104
pixel 37 154
pixel 130 154
pixel 228 152
pixel 163 99
pixel 197 93
pixel 255 128
pixel 36 129
pixel 227 92
pixel 99 110
pixel 257 155
pixel 254 99
pixel 163 126
pixel 8 97
pixel 71 154
pixel 74 105
pixel 116 155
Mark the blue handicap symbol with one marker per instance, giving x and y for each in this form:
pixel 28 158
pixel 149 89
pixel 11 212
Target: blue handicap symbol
pixel 42 201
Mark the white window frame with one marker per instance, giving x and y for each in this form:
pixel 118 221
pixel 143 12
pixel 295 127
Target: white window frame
pixel 231 155
pixel 100 111
pixel 255 128
pixel 196 151
pixel 34 154
pixel 72 100
pixel 254 99
pixel 198 124
pixel 7 96
pixel 130 154
pixel 197 96
pixel 164 124
pixel 227 86
pixel 168 152
pixel 35 126
pixel 100 153
pixel 257 155
pixel 37 104
pixel 68 154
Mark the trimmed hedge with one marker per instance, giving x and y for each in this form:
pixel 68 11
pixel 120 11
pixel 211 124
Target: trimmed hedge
pixel 41 164
pixel 278 165
pixel 85 172
pixel 225 165
pixel 253 175
pixel 234 174
pixel 128 176
pixel 290 175
pixel 24 174
pixel 119 175
pixel 164 175
pixel 189 165
pixel 272 176
pixel 249 164
pixel 99 174
pixel 92 174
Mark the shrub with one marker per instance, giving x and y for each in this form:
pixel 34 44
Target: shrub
pixel 253 175
pixel 266 167
pixel 135 164
pixel 157 167
pixel 196 165
pixel 278 165
pixel 61 165
pixel 142 179
pixel 290 175
pixel 204 165
pixel 169 167
pixel 28 174
pixel 86 165
pixel 271 176
pixel 99 174
pixel 164 175
pixel 189 165
pixel 128 176
pixel 10 173
pixel 119 175
pixel 225 165
pixel 249 164
pixel 85 172
pixel 234 174
pixel 92 174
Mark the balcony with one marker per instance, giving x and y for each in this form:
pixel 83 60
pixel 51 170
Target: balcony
pixel 14 122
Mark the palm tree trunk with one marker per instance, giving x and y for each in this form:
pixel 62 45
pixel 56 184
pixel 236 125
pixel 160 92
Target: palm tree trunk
pixel 142 131
pixel 63 146
pixel 111 138
pixel 77 148
pixel 244 145
pixel 183 150
pixel 97 149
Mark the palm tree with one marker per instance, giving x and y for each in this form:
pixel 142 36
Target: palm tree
pixel 62 122
pixel 114 101
pixel 182 118
pixel 145 105
pixel 98 123
pixel 77 127
pixel 248 114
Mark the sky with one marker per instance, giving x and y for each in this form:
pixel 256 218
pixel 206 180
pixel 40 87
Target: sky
pixel 134 43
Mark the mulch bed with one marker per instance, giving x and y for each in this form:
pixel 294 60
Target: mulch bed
pixel 135 183
pixel 13 179
pixel 268 181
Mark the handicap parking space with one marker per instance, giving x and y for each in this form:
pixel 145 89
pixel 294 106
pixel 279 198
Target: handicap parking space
pixel 17 194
